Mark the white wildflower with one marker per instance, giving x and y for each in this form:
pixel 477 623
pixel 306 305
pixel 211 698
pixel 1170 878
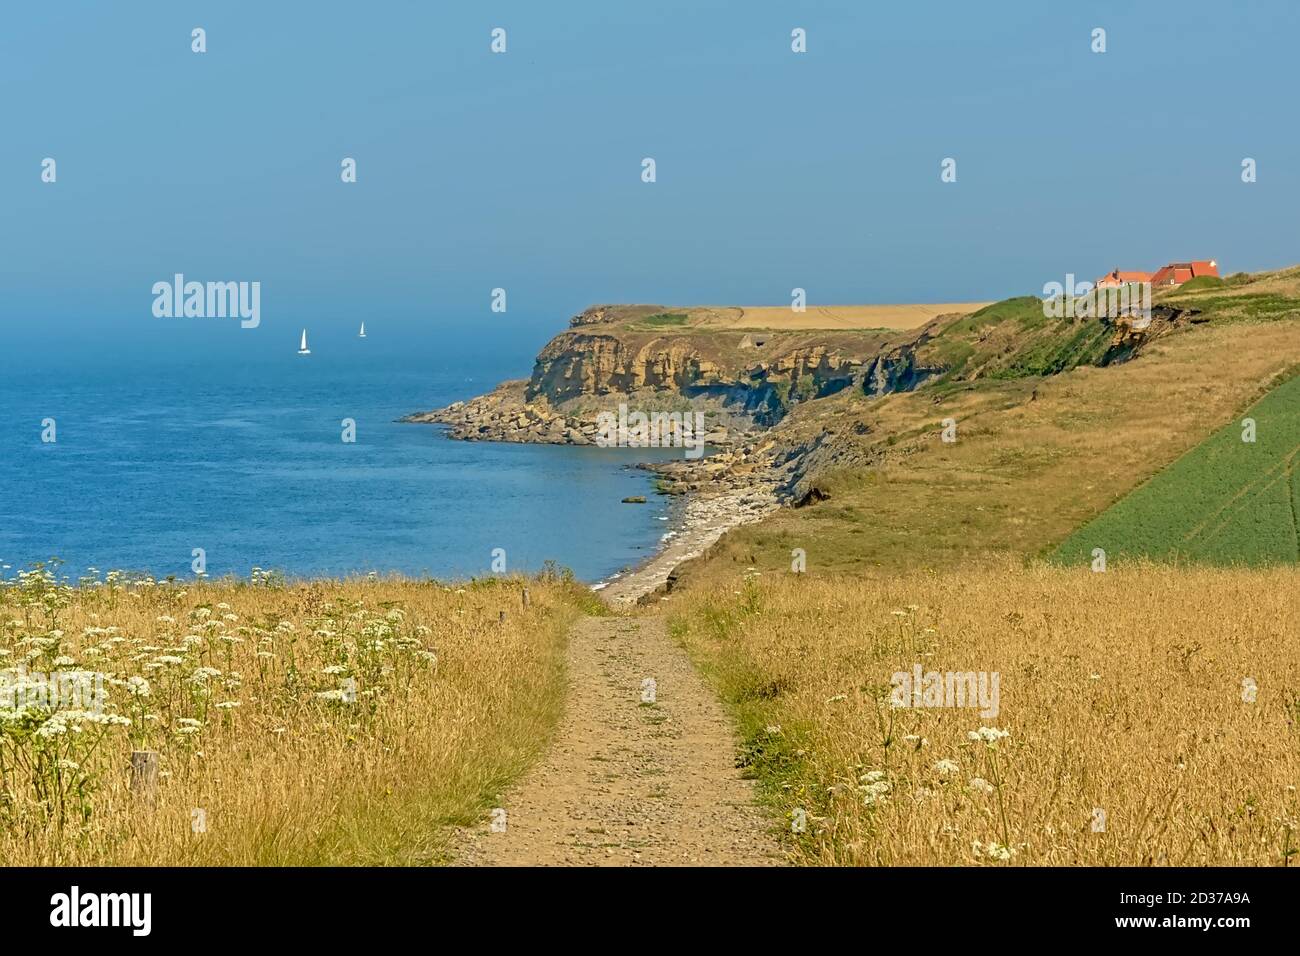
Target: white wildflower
pixel 990 735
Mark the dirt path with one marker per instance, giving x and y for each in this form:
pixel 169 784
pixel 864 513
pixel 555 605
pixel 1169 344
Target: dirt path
pixel 631 783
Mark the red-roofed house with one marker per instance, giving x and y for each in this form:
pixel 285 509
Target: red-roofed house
pixel 1117 278
pixel 1176 273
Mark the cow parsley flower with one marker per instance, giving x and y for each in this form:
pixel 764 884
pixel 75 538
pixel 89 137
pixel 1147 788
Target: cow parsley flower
pixel 990 735
pixel 875 792
pixel 993 851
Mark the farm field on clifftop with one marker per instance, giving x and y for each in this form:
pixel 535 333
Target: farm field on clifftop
pixel 782 317
pixel 1227 501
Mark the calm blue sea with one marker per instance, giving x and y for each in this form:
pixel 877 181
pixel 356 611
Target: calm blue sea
pixel 156 456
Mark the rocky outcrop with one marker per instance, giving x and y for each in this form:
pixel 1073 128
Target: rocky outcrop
pixel 897 370
pixel 505 414
pixel 576 364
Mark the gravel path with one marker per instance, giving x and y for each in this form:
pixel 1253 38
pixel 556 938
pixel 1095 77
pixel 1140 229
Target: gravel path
pixel 626 782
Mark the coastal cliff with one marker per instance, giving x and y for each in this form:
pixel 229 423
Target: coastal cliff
pixel 746 380
pixel 786 407
pixel 743 380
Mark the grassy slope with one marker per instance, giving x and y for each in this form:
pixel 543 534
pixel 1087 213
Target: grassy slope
pixel 1227 501
pixel 1013 339
pixel 286 777
pixel 1035 459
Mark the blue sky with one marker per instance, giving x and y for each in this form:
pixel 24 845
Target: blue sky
pixel 522 170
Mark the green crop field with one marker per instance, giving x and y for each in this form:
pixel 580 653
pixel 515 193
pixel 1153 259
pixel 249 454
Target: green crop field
pixel 1227 501
pixel 662 319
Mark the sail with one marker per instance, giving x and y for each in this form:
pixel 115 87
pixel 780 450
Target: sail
pixel 303 347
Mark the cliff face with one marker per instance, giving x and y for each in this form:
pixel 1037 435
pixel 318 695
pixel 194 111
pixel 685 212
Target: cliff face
pixel 574 364
pixel 747 380
pixel 758 376
pixel 898 370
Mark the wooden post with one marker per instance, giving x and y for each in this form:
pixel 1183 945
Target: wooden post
pixel 144 773
pixel 502 619
pixel 527 600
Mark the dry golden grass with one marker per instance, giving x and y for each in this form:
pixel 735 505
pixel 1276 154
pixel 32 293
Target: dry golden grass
pixel 1121 691
pixel 835 317
pixel 339 723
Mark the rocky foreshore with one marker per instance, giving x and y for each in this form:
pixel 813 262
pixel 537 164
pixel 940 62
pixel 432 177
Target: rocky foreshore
pixel 704 519
pixel 504 414
pixel 737 484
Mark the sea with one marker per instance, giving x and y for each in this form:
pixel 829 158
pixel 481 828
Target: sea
pixel 160 458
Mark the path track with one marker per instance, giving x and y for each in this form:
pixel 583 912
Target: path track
pixel 629 783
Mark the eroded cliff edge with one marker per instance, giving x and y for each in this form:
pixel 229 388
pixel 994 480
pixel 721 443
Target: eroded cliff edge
pixel 651 358
pixel 777 398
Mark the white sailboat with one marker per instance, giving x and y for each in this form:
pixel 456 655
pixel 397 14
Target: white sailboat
pixel 362 334
pixel 302 349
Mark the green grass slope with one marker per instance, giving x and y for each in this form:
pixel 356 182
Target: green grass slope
pixel 1227 501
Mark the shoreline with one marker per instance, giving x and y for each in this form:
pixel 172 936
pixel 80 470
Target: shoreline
pixel 697 526
pixel 693 526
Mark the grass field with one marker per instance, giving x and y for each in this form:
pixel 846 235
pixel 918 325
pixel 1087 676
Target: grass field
pixel 663 320
pixel 1227 501
pixel 323 723
pixel 1134 735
